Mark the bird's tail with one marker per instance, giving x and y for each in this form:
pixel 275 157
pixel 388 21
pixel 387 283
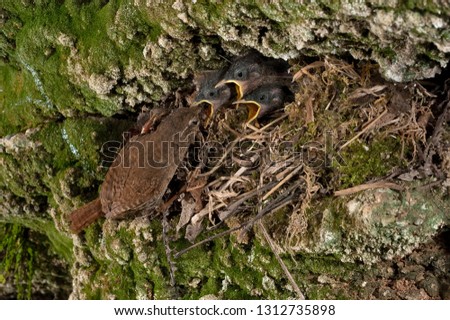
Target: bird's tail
pixel 84 216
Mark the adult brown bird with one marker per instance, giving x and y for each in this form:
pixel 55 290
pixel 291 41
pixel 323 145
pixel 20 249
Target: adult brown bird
pixel 265 99
pixel 252 70
pixel 140 174
pixel 206 92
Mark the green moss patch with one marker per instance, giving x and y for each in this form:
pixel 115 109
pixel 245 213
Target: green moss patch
pixel 360 163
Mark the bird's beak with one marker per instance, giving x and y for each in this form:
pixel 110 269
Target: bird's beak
pixel 253 107
pixel 221 83
pixel 209 110
pixel 297 75
pixel 197 103
pixel 241 86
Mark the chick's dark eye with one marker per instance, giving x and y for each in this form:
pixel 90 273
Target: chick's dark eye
pixel 194 122
pixel 262 97
pixel 240 74
pixel 211 93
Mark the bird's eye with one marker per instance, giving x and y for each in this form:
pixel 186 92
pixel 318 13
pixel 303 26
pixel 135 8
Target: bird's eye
pixel 193 122
pixel 262 97
pixel 211 93
pixel 240 74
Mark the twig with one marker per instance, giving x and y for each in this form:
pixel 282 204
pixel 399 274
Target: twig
pixel 196 218
pixel 287 178
pixel 331 100
pixel 165 226
pixel 227 127
pixel 219 163
pixel 277 205
pixel 305 69
pixel 233 206
pixel 365 129
pixel 429 185
pixel 233 178
pixel 195 245
pixel 268 209
pixel 272 123
pixel 166 205
pixel 436 133
pixel 237 140
pixel 281 262
pixel 366 186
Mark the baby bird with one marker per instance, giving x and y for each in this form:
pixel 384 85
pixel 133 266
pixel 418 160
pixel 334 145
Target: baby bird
pixel 251 70
pixel 215 98
pixel 265 99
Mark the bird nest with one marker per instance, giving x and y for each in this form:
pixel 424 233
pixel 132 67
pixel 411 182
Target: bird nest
pixel 348 130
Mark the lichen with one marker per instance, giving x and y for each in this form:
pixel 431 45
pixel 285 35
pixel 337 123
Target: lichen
pixel 375 225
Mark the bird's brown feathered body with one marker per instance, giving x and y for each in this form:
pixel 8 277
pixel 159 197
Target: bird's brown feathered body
pixel 138 178
pixel 84 216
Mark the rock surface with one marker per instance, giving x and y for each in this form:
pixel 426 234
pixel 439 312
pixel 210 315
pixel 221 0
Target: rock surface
pixel 66 89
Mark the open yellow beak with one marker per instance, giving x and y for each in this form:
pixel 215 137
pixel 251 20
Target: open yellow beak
pixel 240 86
pixel 197 103
pixel 253 108
pixel 209 112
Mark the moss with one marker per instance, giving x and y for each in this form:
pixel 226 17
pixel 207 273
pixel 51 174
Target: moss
pixel 360 163
pixel 445 35
pixel 289 11
pixel 324 265
pixel 44 56
pixel 421 6
pixel 93 233
pixel 121 286
pixel 126 275
pixel 307 268
pixel 12 180
pixel 18 259
pixel 210 273
pixel 62 143
pixel 52 139
pixel 60 243
pixel 44 176
pixel 23 106
pixel 222 268
pixel 210 286
pixel 196 263
pixel 106 37
pixel 387 53
pixel 319 292
pixel 111 33
pixel 82 142
pixel 33 266
pixel 230 270
pixel 111 280
pixel 210 11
